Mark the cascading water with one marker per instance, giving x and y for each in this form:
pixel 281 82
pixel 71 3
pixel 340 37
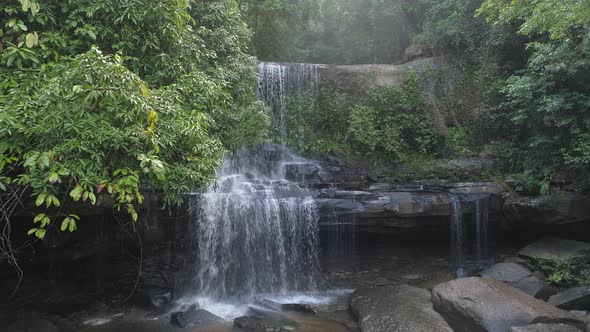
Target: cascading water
pixel 277 80
pixel 257 232
pixel 457 235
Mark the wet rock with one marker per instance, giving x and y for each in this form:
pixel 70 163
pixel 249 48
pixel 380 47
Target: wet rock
pixel 555 208
pixel 165 310
pixel 396 308
pixel 199 317
pixel 263 324
pixel 577 298
pixel 515 275
pixel 152 297
pixel 346 205
pixel 298 307
pixel 548 252
pixel 413 278
pixel 381 187
pixel 372 176
pixel 545 328
pixel 482 304
pixel 301 171
pixel 435 279
pixel 268 304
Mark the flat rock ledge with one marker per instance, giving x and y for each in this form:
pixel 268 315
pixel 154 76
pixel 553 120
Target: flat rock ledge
pixel 515 275
pixel 487 305
pixel 401 308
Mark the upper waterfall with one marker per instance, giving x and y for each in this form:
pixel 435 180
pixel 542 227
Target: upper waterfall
pixel 277 80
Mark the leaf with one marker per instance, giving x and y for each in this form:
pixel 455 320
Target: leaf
pixel 76 193
pixel 55 201
pixel 72 225
pixel 64 224
pixel 45 221
pixel 35 7
pixel 144 90
pixel 40 233
pixel 25 5
pixel 92 198
pixel 39 217
pixel 31 231
pixel 53 177
pixel 75 216
pixel 40 199
pixel 32 39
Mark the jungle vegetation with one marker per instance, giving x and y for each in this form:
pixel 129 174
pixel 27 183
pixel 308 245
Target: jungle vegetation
pixel 101 100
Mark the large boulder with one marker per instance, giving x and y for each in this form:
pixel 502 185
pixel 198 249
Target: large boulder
pixel 195 318
pixel 547 253
pixel 515 275
pixel 396 308
pixel 487 305
pixel 577 298
pixel 545 328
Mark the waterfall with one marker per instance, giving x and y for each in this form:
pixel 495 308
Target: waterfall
pixel 277 80
pixel 481 227
pixel 457 235
pixel 257 232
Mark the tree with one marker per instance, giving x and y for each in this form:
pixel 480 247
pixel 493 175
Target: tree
pixel 109 98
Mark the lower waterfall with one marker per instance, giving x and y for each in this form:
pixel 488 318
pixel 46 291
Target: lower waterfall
pixel 257 233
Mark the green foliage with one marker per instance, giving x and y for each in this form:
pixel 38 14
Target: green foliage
pixel 451 25
pixel 543 108
pixel 106 98
pixel 562 275
pixel 560 19
pixel 459 141
pixel 362 128
pixel 386 123
pixel 331 31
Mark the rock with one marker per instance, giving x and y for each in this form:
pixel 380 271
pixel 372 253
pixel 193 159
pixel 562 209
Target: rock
pixel 465 166
pixel 164 310
pixel 372 176
pixel 541 327
pixel 301 171
pixel 343 206
pixel 577 298
pixel 396 308
pixel 481 304
pixel 415 51
pixel 559 207
pixel 152 296
pixel 263 324
pixel 409 204
pixel 298 307
pixel 515 275
pixel 413 278
pixel 199 317
pixel 31 325
pixel 548 252
pixel 267 304
pixel 381 187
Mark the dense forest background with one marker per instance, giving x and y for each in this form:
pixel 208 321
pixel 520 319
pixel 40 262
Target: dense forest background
pixel 102 99
pixel 522 94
